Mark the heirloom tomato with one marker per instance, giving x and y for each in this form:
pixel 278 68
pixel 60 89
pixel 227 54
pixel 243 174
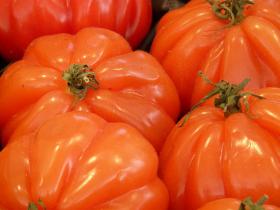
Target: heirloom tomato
pixel 95 71
pixel 22 21
pixel 78 161
pixel 235 204
pixel 194 38
pixel 231 150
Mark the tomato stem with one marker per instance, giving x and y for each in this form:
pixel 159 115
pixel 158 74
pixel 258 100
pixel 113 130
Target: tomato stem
pixel 232 10
pixel 79 79
pixel 229 96
pixel 33 206
pixel 247 202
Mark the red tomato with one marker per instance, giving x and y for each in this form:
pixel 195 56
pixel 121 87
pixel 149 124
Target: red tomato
pixel 193 38
pixel 272 3
pixel 212 156
pixel 231 204
pixel 132 86
pixel 78 161
pixel 22 21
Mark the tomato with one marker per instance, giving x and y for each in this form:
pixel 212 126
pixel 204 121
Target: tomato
pixel 231 204
pixel 78 161
pixel 216 154
pixel 22 21
pixel 131 87
pixel 193 38
pixel 272 3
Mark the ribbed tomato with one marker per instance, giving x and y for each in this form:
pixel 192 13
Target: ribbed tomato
pixel 22 21
pixel 225 152
pixel 193 38
pixel 78 161
pixel 273 3
pixel 104 77
pixel 234 204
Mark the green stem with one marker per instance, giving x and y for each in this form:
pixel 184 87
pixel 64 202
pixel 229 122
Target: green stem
pixel 34 206
pixel 79 79
pixel 231 10
pixel 248 204
pixel 229 97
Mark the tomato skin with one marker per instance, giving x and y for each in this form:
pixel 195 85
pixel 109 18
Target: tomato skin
pixel 133 87
pixel 24 20
pixel 78 161
pixel 213 157
pixel 229 204
pixel 192 39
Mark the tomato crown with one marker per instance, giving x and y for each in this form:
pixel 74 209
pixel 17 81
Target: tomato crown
pixel 79 79
pixel 228 99
pixel 232 10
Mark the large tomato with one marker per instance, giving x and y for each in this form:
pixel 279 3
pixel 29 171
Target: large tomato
pixel 234 204
pixel 78 161
pixel 23 20
pixel 128 86
pixel 273 3
pixel 217 155
pixel 193 38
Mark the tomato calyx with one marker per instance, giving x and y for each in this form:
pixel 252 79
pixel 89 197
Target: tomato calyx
pixel 248 204
pixel 228 99
pixel 79 79
pixel 232 10
pixel 34 206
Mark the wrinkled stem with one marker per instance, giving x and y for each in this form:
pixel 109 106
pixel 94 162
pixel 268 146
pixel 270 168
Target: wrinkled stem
pixel 231 10
pixel 79 79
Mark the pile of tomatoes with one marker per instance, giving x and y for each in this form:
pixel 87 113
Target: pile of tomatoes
pixel 103 108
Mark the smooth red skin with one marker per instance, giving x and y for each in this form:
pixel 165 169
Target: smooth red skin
pixel 193 39
pixel 22 21
pixel 133 87
pixel 78 161
pixel 230 204
pixel 214 157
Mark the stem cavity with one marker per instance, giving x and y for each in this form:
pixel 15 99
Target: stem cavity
pixel 79 79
